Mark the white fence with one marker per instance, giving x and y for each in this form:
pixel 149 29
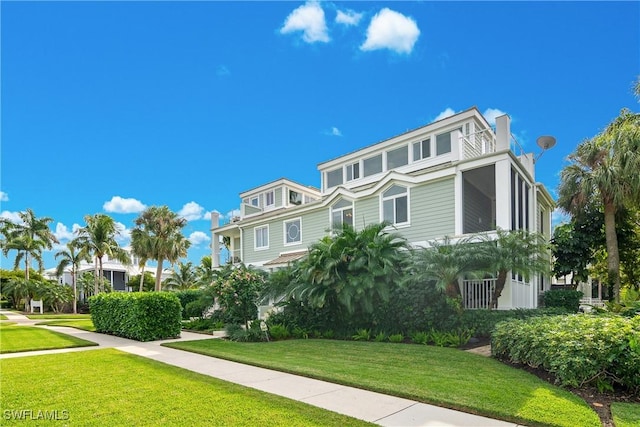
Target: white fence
pixel 477 293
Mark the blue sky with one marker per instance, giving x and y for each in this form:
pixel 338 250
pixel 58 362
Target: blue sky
pixel 114 106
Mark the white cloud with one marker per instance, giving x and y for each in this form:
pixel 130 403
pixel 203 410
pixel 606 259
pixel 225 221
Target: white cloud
pixel 207 216
pixel 12 216
pixel 63 233
pixel 4 197
pixel 118 204
pixel 231 214
pixel 448 112
pixel 308 18
pixel 558 216
pixel 124 233
pixel 334 131
pixel 198 237
pixel 391 30
pixel 491 114
pixel 191 211
pixel 348 17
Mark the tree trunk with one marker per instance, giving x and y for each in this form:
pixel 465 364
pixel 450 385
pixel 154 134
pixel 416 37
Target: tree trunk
pixel 453 289
pixel 26 266
pixel 500 282
pixel 75 291
pixel 141 279
pixel 95 276
pixel 613 256
pixel 159 275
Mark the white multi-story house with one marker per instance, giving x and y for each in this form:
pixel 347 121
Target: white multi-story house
pixel 454 177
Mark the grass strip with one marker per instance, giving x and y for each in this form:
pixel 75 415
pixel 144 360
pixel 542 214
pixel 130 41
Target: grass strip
pixel 110 387
pixel 59 316
pixel 441 376
pixel 16 338
pixel 3 317
pixel 84 324
pixel 626 414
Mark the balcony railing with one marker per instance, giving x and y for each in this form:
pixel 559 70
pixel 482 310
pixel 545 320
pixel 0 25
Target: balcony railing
pixel 478 144
pixel 476 294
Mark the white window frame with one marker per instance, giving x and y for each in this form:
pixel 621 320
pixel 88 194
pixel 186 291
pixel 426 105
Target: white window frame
pixel 350 167
pixel 257 201
pixel 332 210
pixel 255 238
pixel 394 197
pixel 284 231
pixel 273 199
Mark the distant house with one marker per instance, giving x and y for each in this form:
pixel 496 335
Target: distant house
pixel 114 271
pixel 454 177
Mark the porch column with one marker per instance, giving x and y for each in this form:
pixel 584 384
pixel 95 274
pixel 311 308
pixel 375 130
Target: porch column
pixel 215 239
pixel 503 194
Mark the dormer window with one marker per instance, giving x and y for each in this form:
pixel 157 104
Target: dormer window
pixel 334 178
pixel 295 198
pixel 422 149
pixel 255 201
pixel 372 165
pixel 398 157
pixel 270 199
pixel 353 171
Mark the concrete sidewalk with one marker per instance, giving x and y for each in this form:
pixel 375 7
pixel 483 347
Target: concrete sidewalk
pixel 365 405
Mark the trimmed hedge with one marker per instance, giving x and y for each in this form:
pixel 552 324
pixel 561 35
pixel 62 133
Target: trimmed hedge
pixel 142 316
pixel 578 349
pixel 563 298
pixel 482 322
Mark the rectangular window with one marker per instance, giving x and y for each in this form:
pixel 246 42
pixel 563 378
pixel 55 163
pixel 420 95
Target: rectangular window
pixel 293 231
pixel 353 171
pixel 422 149
pixel 270 199
pixel 395 205
pixel 255 201
pixel 295 198
pixel 372 165
pixel 334 178
pixel 398 157
pixel 262 237
pixel 443 143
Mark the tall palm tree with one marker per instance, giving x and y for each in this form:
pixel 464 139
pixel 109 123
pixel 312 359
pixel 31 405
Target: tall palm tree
pixel 518 251
pixel 163 228
pixel 205 274
pixel 444 264
pixel 29 238
pixel 605 169
pixel 72 256
pixel 182 279
pixel 98 238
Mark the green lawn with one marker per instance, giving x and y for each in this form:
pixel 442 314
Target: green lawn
pixel 85 324
pixel 626 414
pixel 3 317
pixel 14 338
pixel 441 376
pixel 110 387
pixel 59 316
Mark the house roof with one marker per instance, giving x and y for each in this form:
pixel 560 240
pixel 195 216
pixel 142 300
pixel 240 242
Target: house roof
pixel 285 258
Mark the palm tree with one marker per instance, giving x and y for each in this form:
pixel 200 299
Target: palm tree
pixel 28 238
pixel 205 274
pixel 141 247
pixel 445 263
pixel 98 238
pixel 182 279
pixel 71 256
pixel 605 169
pixel 518 251
pixel 163 229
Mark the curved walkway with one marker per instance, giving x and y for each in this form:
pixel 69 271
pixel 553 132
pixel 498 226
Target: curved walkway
pixel 365 405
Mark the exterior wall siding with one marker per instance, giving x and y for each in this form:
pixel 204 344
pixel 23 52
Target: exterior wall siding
pixel 278 197
pixel 366 211
pixel 432 211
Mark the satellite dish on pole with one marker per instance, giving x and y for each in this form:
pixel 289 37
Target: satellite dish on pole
pixel 545 142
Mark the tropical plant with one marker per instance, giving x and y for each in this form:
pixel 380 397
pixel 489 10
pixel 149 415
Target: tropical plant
pixel 605 168
pixel 237 292
pixel 71 257
pixel 351 270
pixel 55 295
pixel 87 285
pixel 29 238
pixel 142 249
pixel 21 289
pixel 444 264
pixel 161 230
pixel 205 274
pixel 98 238
pixel 148 282
pixel 517 251
pixel 182 279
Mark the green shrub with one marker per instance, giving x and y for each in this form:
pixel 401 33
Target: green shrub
pixel 563 298
pixel 328 334
pixel 362 335
pixel 186 297
pixel 142 316
pixel 279 332
pixel 396 338
pixel 380 337
pixel 579 349
pixel 300 333
pixel 420 338
pixel 203 324
pixel 482 322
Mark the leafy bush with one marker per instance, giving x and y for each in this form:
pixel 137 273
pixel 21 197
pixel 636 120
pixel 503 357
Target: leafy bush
pixel 482 322
pixel 362 335
pixel 279 332
pixel 300 333
pixel 240 333
pixel 380 337
pixel 203 324
pixel 420 338
pixel 396 338
pixel 563 298
pixel 578 349
pixel 142 316
pixel 186 297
